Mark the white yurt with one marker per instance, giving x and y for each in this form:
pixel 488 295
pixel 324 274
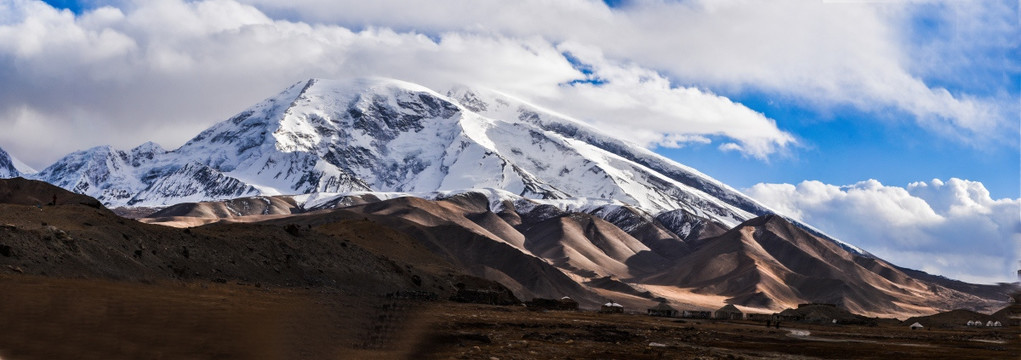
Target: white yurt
pixel 916 326
pixel 611 307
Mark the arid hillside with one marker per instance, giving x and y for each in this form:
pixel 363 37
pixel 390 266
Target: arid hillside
pixel 766 264
pixel 79 238
pixel 375 279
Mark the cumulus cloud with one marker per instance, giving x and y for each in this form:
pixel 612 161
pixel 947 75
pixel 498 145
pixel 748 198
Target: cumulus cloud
pixel 953 228
pixel 163 70
pixel 825 53
pixel 628 99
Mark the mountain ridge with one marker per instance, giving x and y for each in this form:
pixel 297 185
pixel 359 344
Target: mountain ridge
pixel 764 264
pixel 11 167
pixel 379 134
pixel 502 175
pixel 299 127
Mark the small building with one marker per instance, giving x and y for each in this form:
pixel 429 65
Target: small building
pixel 990 323
pixel 760 317
pixel 611 308
pixel 971 323
pixel 662 309
pixel 696 314
pixel 567 303
pixel 916 326
pixel 997 324
pixel 729 312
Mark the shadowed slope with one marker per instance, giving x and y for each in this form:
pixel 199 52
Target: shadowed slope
pixel 21 191
pixel 542 250
pixel 475 252
pixel 259 205
pixel 769 262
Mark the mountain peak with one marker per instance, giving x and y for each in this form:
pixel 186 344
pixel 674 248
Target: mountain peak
pixel 380 134
pixel 8 169
pixel 468 98
pixel 384 134
pixel 324 110
pixel 148 147
pixel 98 149
pixel 765 220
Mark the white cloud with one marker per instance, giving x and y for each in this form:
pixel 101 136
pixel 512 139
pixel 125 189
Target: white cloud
pixel 163 70
pixel 828 54
pixel 642 105
pixel 952 228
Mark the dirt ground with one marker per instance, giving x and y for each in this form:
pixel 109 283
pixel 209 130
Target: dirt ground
pixel 51 318
pixel 520 334
pixel 479 331
pixel 46 318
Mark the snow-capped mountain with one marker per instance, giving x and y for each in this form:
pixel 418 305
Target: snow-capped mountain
pixel 522 184
pixel 385 135
pixel 7 169
pixel 598 250
pixel 389 135
pixel 148 171
pixel 11 167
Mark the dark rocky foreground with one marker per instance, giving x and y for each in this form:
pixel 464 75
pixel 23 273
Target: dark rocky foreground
pixel 77 281
pixel 78 238
pixel 51 318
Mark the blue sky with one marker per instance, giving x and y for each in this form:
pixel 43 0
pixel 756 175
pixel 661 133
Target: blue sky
pixel 800 103
pixel 848 146
pixel 843 145
pixel 74 6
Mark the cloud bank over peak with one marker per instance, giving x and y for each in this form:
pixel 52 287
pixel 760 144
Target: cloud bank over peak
pixel 952 227
pixel 166 69
pixel 872 55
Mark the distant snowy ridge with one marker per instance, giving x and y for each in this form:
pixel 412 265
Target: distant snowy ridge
pixel 606 209
pixel 385 135
pixel 497 199
pixel 11 167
